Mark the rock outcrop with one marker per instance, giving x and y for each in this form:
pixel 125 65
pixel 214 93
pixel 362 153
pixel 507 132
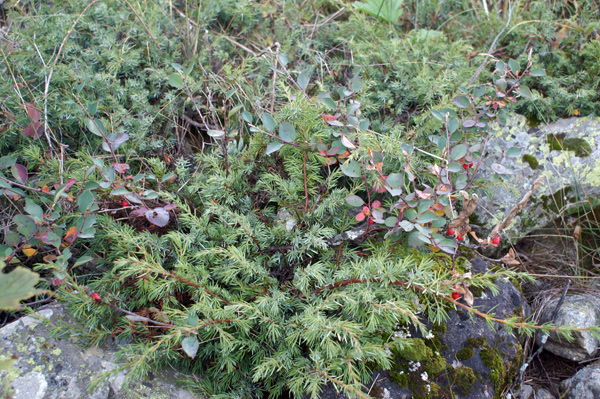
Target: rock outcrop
pixel 582 310
pixel 566 152
pixel 50 368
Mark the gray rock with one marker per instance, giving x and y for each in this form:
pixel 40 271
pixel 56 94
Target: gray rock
pixel 581 311
pixel 570 174
pixel 492 354
pixel 525 392
pixel 49 368
pixel 477 357
pixel 583 385
pixel 543 393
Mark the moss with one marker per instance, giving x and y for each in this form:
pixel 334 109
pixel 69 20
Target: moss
pixel 465 353
pixel 498 373
pixel 475 342
pixel 463 377
pixel 417 352
pixel 476 291
pixel 399 378
pixel 579 146
pixel 531 160
pixel 376 392
pixel 439 327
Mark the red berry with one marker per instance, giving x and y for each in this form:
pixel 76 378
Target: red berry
pixel 496 240
pixel 471 165
pixel 96 297
pixel 465 166
pixel 455 295
pixel 459 237
pixel 371 222
pixel 125 203
pixel 451 232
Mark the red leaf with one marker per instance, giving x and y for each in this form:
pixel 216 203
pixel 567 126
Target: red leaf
pixel 170 207
pixel 360 217
pixel 34 130
pixel 34 113
pixel 120 167
pixel 69 183
pixel 19 172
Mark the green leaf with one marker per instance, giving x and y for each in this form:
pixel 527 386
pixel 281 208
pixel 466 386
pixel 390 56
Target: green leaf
pixel 394 183
pixel 193 319
pixel 283 59
pixel 7 161
pixel 500 66
pixel 478 92
pixel 387 10
pixel 330 103
pixel 514 66
pixel 458 152
pixel 120 191
pixel 247 116
pixel 16 286
pixel 391 221
pixel 176 80
pixel 190 345
pixel 216 133
pixel 452 125
pixel 427 217
pixel 303 80
pixel 287 132
pixel 537 72
pixel 268 122
pixel 92 108
pixel 34 210
pixel 96 127
pixel 513 152
pixel 352 168
pixel 462 101
pixel 25 225
pixel 437 115
pixel 454 167
pixel 354 200
pixel 525 92
pixel 273 147
pixel 85 201
pixel 82 260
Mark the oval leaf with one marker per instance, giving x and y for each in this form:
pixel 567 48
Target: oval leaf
pixel 287 132
pixel 458 152
pixel 354 200
pixel 34 130
pixel 190 345
pixel 176 80
pixel 273 147
pixel 268 122
pixel 351 169
pixel 158 216
pixel 462 101
pixel 19 172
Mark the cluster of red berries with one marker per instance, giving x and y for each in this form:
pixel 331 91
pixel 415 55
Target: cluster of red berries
pixel 458 237
pixel 468 165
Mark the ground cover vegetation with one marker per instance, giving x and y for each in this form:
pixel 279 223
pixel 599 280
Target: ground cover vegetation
pixel 258 193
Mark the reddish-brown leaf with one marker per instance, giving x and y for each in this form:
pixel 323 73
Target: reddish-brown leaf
pixel 34 113
pixel 19 172
pixel 120 167
pixel 71 235
pixel 34 130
